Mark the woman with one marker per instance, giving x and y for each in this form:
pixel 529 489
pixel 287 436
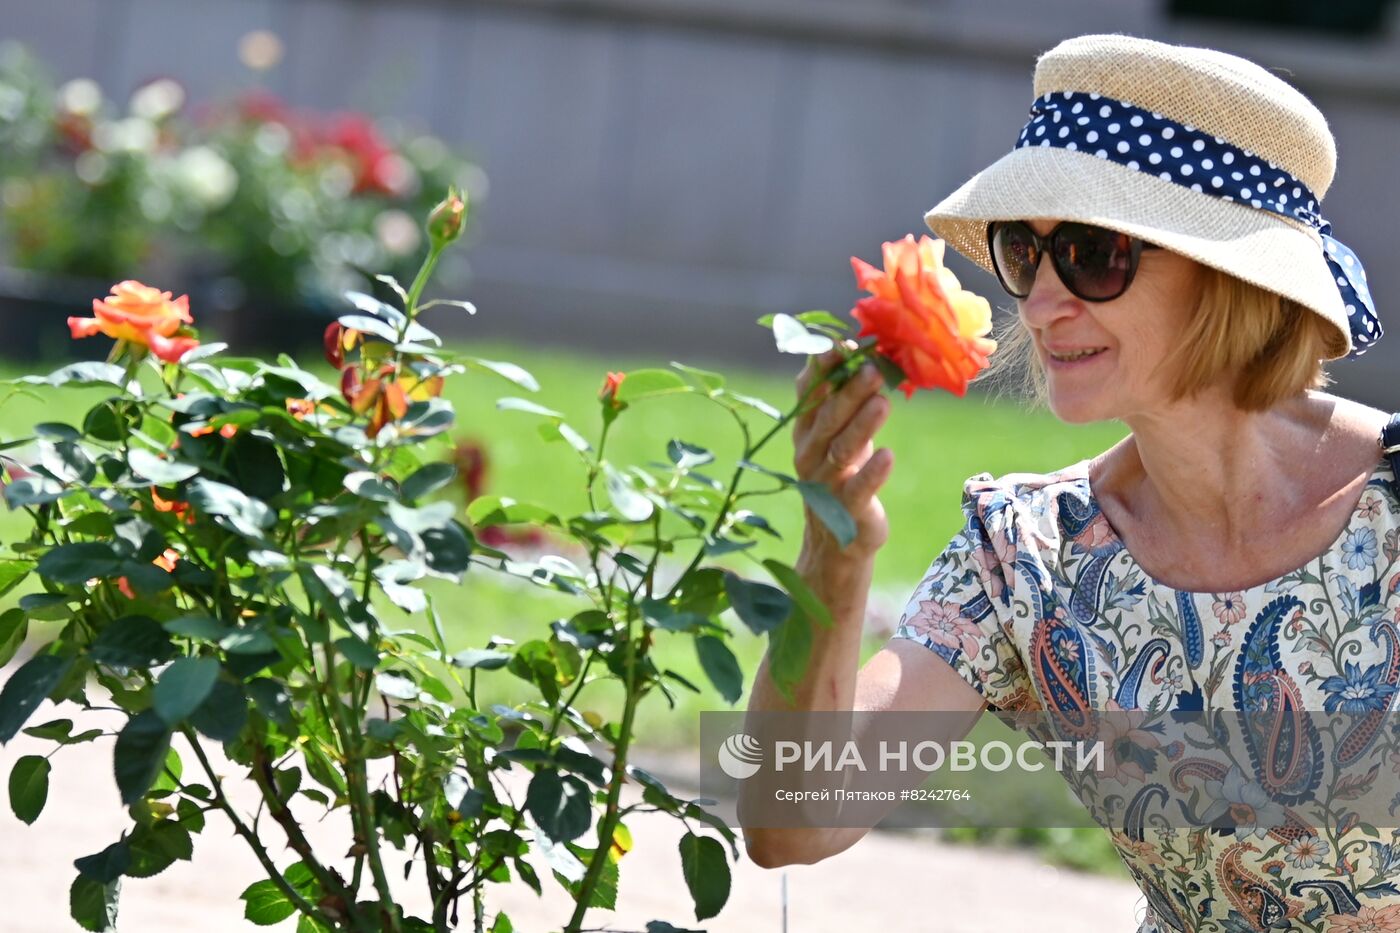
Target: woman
pixel 1157 224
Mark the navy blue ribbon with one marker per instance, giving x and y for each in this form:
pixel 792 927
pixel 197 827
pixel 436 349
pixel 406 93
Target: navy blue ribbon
pixel 1149 142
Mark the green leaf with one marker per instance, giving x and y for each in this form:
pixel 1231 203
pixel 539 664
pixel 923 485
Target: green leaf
pixel 823 318
pixel 630 504
pixel 800 592
pixel 26 689
pixel 199 628
pixel 248 517
pixel 761 607
pixel 720 665
pixel 396 685
pixel 663 615
pixel 527 406
pixel 248 641
pixel 78 563
pixel 561 805
pixel 687 456
pixel 265 904
pixel 894 376
pixel 45 607
pixel 485 511
pixel 105 866
pixel 757 404
pixel 158 470
pixel 87 373
pixel 829 510
pixel 33 490
pixel 553 431
pixel 371 305
pixel 508 371
pixel 706 874
pixel 447 548
pixel 14 628
pixel 792 337
pixel 712 382
pixel 183 686
pixel 661 926
pixel 271 699
pixel 648 383
pixel 428 479
pixel 56 431
pixel 358 652
pixel 312 925
pixel 155 848
pixel 12 573
pixel 94 905
pixel 789 647
pixel 482 658
pixel 367 485
pixel 139 755
pixel 29 787
pixel 131 642
pixel 223 715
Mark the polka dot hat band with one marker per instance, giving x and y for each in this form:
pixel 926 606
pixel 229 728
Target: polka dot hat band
pixel 1148 142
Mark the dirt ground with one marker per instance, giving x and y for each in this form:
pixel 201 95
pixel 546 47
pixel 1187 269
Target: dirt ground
pixel 889 882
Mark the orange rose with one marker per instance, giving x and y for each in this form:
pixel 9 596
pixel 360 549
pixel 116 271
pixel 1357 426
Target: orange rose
pixel 922 319
pixel 389 398
pixel 140 314
pixel 179 508
pixel 165 561
pixel 611 384
pixel 228 430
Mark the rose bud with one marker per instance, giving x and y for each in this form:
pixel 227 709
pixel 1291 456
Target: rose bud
pixel 446 220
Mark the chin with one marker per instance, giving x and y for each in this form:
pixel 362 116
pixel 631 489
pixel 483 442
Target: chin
pixel 1080 407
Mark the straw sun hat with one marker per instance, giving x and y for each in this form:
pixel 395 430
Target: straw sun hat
pixel 1206 154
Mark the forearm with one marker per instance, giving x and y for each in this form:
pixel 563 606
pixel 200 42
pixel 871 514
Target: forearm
pixel 829 680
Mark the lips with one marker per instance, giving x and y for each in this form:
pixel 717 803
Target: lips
pixel 1071 354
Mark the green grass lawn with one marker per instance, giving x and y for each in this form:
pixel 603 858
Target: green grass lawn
pixel 938 441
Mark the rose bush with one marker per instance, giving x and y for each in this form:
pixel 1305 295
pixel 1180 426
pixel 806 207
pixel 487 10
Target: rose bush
pixel 235 551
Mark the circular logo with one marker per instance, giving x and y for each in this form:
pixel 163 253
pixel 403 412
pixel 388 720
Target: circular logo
pixel 740 756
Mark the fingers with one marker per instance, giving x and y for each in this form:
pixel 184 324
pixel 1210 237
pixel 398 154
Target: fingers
pixel 832 417
pixel 852 446
pixel 817 367
pixel 872 475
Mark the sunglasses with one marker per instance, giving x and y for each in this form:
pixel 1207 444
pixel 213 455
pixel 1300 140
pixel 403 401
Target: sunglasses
pixel 1094 263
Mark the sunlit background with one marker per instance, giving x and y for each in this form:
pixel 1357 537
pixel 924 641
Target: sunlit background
pixel 647 177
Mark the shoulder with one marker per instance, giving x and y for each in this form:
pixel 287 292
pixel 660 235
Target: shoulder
pixel 985 492
pixel 1026 505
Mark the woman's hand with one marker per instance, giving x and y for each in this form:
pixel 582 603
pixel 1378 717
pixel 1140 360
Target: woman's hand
pixel 833 444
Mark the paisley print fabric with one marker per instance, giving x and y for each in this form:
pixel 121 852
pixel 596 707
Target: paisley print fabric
pixel 1038 605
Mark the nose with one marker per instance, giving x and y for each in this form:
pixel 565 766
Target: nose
pixel 1049 301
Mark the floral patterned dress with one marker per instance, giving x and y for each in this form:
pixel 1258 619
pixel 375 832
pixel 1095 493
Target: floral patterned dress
pixel 1039 606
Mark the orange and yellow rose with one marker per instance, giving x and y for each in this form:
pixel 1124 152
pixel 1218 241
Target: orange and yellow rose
pixel 922 318
pixel 141 315
pixel 388 398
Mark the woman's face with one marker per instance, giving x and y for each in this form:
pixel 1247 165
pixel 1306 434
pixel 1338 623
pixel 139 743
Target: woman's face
pixel 1127 337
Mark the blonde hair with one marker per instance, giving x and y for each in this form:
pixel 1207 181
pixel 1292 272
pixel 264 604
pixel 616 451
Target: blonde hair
pixel 1274 346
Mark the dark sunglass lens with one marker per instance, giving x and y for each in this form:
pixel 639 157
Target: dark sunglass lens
pixel 1016 256
pixel 1095 263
